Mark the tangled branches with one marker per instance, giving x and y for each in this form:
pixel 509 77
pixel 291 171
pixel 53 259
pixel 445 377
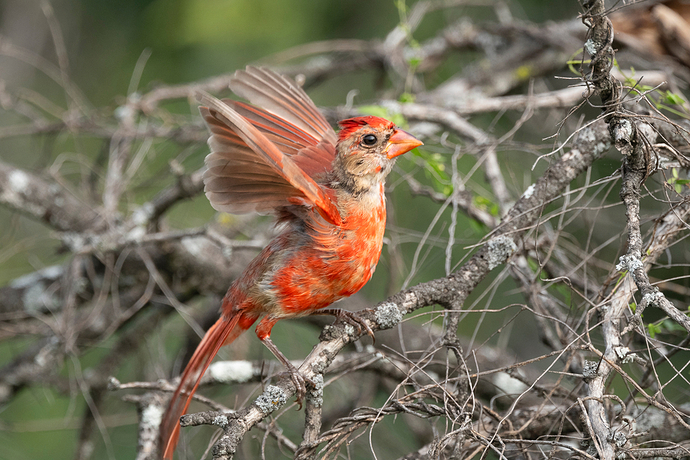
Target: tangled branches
pixel 521 312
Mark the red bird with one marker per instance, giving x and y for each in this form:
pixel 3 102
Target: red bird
pixel 326 190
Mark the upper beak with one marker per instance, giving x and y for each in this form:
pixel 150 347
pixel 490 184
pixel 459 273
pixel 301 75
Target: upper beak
pixel 401 142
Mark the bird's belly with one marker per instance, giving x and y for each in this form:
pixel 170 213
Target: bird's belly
pixel 317 277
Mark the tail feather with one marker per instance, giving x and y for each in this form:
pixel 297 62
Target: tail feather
pixel 223 332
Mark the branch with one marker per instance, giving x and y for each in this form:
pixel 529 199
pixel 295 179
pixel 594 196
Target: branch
pixel 45 201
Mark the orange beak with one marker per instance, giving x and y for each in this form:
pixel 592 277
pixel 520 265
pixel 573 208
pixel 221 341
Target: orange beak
pixel 401 142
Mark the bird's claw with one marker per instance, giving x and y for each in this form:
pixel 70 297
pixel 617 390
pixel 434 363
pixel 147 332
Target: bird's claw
pixel 300 383
pixel 297 378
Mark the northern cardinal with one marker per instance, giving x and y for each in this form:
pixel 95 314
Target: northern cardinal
pixel 327 192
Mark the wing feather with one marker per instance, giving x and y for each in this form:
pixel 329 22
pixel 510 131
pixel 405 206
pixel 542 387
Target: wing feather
pixel 240 146
pixel 282 97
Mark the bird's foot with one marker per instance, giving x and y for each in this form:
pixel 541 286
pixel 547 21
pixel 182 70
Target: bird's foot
pixel 299 381
pixel 353 319
pixel 297 378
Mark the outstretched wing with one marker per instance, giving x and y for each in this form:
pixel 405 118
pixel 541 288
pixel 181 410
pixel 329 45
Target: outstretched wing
pixel 260 162
pixel 281 96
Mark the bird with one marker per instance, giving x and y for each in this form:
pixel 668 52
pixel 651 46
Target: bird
pixel 278 155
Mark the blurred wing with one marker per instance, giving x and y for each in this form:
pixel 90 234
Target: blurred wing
pixel 259 162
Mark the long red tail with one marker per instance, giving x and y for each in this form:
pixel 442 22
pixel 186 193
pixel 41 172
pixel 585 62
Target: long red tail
pixel 223 332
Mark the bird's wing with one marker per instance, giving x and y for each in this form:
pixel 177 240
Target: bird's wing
pixel 260 162
pixel 314 155
pixel 281 96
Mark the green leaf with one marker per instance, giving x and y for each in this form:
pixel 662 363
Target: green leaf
pixel 653 329
pixel 406 97
pixel 675 182
pixel 486 204
pixel 414 62
pixel 435 170
pixel 673 98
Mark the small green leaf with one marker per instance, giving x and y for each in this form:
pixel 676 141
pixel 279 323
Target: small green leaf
pixel 486 204
pixel 675 182
pixel 414 62
pixel 435 170
pixel 406 97
pixel 673 98
pixel 653 329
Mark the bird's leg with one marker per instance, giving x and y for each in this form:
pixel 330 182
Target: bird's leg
pixel 298 379
pixel 263 331
pixel 349 317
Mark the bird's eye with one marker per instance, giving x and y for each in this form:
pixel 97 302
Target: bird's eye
pixel 369 139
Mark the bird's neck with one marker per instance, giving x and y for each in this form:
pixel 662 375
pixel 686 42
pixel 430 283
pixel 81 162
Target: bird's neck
pixel 349 176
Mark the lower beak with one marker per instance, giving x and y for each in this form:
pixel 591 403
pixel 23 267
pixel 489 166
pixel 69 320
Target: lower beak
pixel 401 142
